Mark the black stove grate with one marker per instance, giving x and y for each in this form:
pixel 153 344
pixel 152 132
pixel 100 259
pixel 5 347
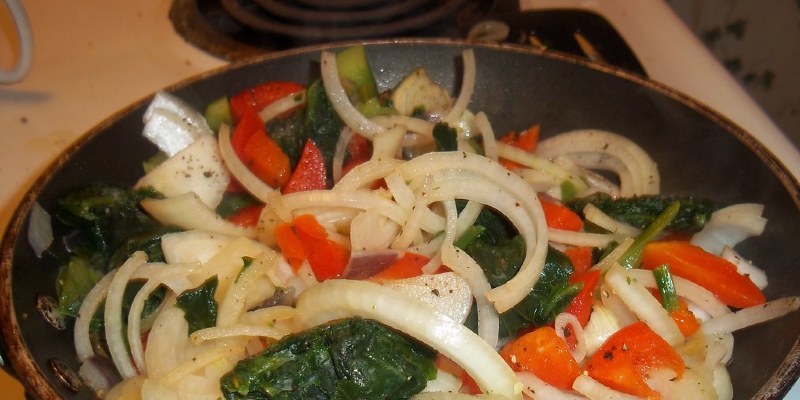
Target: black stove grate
pixel 239 29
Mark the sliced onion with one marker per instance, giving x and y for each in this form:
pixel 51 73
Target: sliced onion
pixel 643 304
pixel 487 133
pixel 447 293
pixel 365 174
pixel 745 267
pixel 525 211
pixel 40 230
pixel 213 333
pixel 602 324
pixel 243 175
pixel 113 315
pixel 564 320
pixel 361 200
pixel 187 211
pixel 729 226
pixel 365 264
pixel 538 389
pixel 335 299
pixel 582 238
pixel 752 315
pixel 349 114
pixel 645 178
pixel 198 169
pixel 91 303
pixel 595 390
pixel 462 264
pixel 603 220
pixel 467 87
pixel 340 152
pixel 233 303
pixel 282 105
pixel 694 293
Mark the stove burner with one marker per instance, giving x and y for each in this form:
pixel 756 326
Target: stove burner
pixel 240 29
pixel 302 23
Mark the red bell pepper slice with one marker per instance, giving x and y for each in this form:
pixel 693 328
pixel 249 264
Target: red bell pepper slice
pixel 581 304
pixel 259 96
pixel 407 266
pixel 581 258
pixel 712 272
pixel 247 215
pixel 310 172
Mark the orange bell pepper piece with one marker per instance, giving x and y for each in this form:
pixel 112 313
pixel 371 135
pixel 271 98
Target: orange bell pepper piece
pixel 559 216
pixel 623 361
pixel 525 140
pixel 544 354
pixel 714 273
pixel 305 239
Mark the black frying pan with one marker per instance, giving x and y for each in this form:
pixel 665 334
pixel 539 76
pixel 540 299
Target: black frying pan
pixel 698 152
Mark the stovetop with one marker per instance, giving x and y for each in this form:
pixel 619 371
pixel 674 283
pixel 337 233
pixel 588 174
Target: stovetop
pixel 239 29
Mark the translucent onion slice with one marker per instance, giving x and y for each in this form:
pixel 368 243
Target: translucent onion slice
pixel 583 238
pixel 113 315
pixel 533 161
pixel 467 87
pixel 525 211
pixel 487 133
pixel 40 230
pixel 603 220
pixel 564 320
pixel 91 303
pixel 693 292
pixel 538 389
pixel 643 304
pixel 233 303
pixel 351 117
pixel 361 200
pixel 213 333
pixel 243 175
pixel 365 174
pixel 338 298
pixel 752 315
pixel 729 226
pixel 745 267
pixel 595 390
pixel 282 105
pixel 340 151
pixel 187 211
pixel 643 170
pixel 198 168
pixel 462 264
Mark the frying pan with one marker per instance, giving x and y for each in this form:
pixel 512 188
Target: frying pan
pixel 698 152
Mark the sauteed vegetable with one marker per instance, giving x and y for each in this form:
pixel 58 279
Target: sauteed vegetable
pixel 333 241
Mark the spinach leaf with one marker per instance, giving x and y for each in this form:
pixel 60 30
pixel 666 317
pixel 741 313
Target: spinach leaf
pixel 640 211
pixel 289 135
pixel 199 306
pixel 75 279
pixel 445 137
pixel 103 226
pixel 348 359
pixel 321 124
pixel 501 257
